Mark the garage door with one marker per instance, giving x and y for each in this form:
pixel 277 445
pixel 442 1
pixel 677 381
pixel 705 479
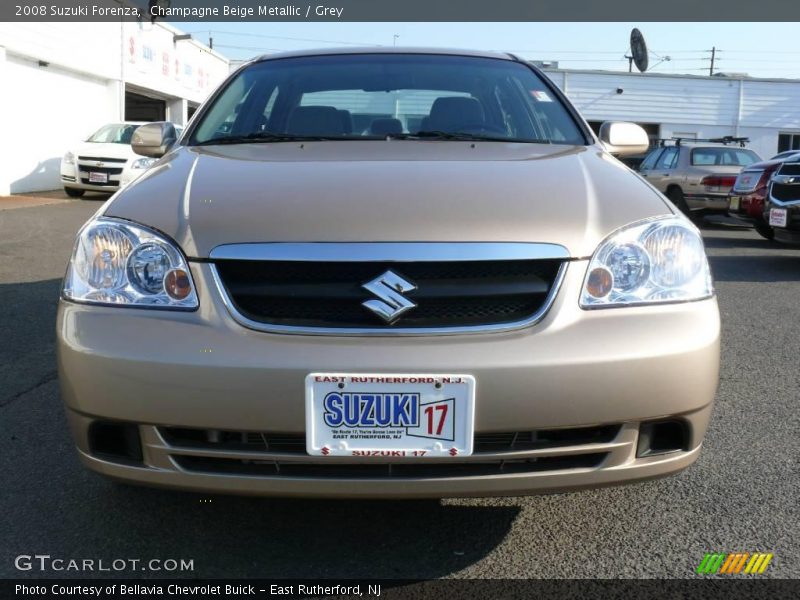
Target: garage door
pixel 51 111
pixel 142 108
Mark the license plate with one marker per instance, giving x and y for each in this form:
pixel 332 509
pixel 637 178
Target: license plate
pixel 389 416
pixel 734 202
pixel 777 217
pixel 98 177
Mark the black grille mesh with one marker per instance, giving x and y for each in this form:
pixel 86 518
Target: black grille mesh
pixel 330 294
pixel 295 443
pixel 785 192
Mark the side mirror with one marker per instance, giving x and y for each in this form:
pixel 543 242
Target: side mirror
pixel 154 139
pixel 624 139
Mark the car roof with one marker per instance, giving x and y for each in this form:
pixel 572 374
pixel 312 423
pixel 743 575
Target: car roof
pixel 387 50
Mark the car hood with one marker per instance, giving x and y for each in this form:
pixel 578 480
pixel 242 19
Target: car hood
pixel 98 150
pixel 391 191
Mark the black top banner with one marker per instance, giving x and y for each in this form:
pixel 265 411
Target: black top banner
pixel 400 10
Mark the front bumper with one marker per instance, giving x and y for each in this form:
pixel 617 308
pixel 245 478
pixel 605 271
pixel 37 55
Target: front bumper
pixel 791 233
pixel 575 368
pixel 76 176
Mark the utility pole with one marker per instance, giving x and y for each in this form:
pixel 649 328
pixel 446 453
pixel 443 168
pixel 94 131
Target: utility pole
pixel 394 39
pixel 211 42
pixel 713 56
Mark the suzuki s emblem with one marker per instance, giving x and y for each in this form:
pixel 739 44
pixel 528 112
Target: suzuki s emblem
pixel 389 288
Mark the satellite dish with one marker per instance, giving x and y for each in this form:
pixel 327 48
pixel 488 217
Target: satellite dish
pixel 638 55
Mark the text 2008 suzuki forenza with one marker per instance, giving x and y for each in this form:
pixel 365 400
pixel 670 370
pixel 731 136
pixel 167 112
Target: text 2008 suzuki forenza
pixel 388 273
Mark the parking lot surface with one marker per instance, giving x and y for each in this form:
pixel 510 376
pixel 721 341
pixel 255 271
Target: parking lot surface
pixel 742 494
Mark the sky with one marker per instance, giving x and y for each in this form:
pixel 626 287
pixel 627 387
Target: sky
pixel 758 49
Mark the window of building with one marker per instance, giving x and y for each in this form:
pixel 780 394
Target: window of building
pixel 788 141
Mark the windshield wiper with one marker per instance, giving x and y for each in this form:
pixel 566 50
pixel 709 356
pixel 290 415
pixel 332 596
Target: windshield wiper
pixel 266 138
pixel 458 136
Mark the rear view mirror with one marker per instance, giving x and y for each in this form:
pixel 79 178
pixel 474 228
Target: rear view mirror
pixel 624 139
pixel 154 139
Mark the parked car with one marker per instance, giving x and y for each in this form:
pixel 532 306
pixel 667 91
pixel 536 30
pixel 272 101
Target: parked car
pixel 105 162
pixel 782 210
pixel 697 175
pixel 746 201
pixel 786 154
pixel 467 296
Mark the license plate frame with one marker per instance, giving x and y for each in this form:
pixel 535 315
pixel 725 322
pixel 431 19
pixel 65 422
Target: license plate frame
pixel 389 416
pixel 95 177
pixel 778 217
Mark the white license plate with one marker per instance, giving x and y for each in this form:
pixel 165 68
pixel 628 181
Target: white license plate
pixel 389 416
pixel 98 177
pixel 734 202
pixel 777 217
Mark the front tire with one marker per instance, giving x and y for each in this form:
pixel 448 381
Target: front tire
pixel 764 230
pixel 74 192
pixel 675 195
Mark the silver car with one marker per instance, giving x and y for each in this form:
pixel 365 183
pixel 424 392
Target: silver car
pixel 697 176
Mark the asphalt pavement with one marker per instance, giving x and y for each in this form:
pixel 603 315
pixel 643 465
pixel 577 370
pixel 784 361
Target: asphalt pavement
pixel 742 494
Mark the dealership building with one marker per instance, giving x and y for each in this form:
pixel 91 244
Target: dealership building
pixel 62 81
pixel 691 106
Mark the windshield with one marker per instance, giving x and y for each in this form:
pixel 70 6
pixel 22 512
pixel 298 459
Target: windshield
pixel 735 157
pixel 375 96
pixel 114 134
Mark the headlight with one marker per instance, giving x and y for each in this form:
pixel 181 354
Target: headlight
pixel 116 262
pixel 143 163
pixel 69 158
pixel 658 260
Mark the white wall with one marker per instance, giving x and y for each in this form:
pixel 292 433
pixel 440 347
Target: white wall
pixel 705 106
pixel 49 111
pixel 61 81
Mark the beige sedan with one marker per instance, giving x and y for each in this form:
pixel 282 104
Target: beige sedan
pixel 698 176
pixel 388 273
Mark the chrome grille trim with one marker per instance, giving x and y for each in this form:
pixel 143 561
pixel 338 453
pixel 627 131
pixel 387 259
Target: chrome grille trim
pixel 389 252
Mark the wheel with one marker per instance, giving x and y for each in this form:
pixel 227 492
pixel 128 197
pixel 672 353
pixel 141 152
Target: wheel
pixel 764 230
pixel 73 192
pixel 675 195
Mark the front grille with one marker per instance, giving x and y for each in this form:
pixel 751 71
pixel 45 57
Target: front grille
pixel 785 192
pixel 295 443
pixel 98 159
pixel 259 468
pixel 107 170
pixel 284 454
pixel 448 294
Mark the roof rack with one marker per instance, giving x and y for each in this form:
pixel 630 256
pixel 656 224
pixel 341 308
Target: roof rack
pixel 728 139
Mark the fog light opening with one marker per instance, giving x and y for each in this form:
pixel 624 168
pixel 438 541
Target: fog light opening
pixel 662 437
pixel 116 442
